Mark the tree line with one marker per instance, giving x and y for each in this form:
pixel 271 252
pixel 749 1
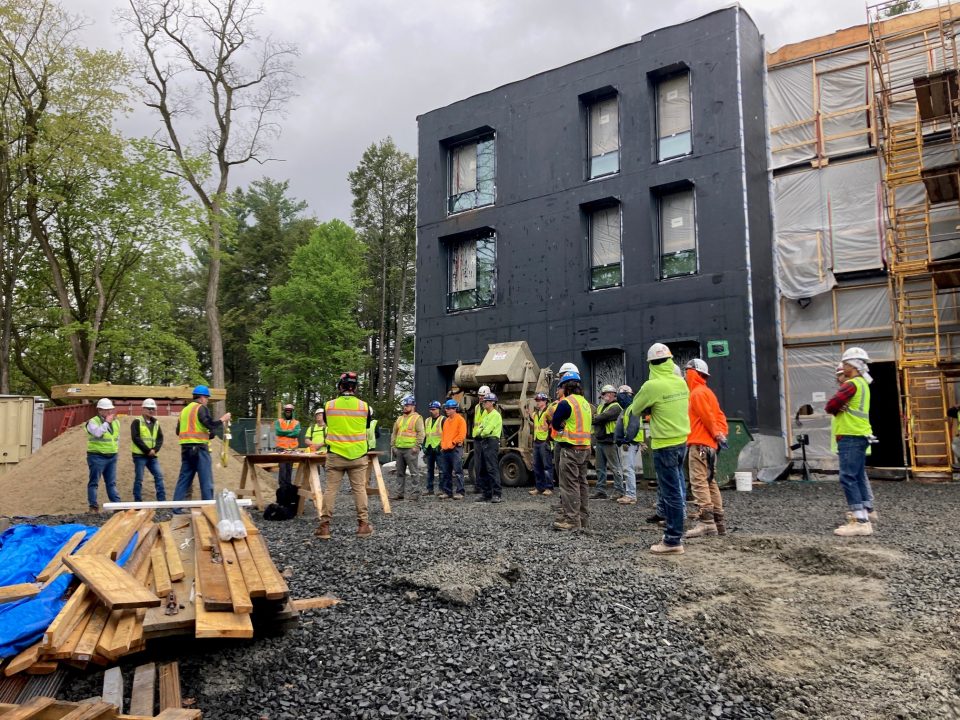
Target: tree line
pixel 136 261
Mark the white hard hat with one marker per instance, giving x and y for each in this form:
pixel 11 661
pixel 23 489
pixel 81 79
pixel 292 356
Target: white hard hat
pixel 567 367
pixel 104 404
pixel 658 351
pixel 625 389
pixel 484 390
pixel 150 404
pixel 607 388
pixel 700 366
pixel 855 353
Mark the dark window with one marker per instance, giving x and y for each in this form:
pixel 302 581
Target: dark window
pixel 472 171
pixel 473 272
pixel 605 243
pixel 678 234
pixel 673 117
pixel 603 137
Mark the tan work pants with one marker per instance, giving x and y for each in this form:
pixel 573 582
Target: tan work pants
pixel 356 470
pixel 702 464
pixel 574 491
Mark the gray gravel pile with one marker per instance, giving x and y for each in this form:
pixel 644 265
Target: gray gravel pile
pixel 779 619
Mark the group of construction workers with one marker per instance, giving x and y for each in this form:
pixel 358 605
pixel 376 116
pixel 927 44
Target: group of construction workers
pixel 195 429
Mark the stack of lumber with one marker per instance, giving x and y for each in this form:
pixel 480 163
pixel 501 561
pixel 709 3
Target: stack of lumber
pixel 44 708
pixel 179 579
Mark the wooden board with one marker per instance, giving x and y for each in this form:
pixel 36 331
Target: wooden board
pixel 105 642
pixel 43 667
pixel 157 623
pixel 274 584
pixel 251 528
pixel 116 588
pixel 92 391
pixel 251 575
pixel 23 660
pixel 33 709
pixel 219 624
pixel 113 688
pixel 171 551
pixel 12 593
pixel 59 711
pixel 87 646
pixel 161 575
pixel 216 589
pixel 381 486
pixel 175 714
pixel 141 696
pixel 56 561
pixel 169 674
pixel 203 535
pixel 98 710
pixel 314 603
pixel 239 596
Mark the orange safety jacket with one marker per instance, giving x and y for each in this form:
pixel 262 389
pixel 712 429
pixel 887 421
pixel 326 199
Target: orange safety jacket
pixel 285 442
pixel 192 431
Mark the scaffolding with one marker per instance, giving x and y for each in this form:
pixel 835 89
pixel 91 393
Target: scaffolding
pixel 917 107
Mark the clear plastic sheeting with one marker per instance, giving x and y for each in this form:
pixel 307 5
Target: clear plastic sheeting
pixel 828 221
pixel 858 309
pixel 810 318
pixel 604 127
pixel 792 121
pixel 605 236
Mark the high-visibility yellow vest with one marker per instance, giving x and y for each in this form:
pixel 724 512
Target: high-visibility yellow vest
pixel 433 427
pixel 285 442
pixel 148 436
pixel 478 413
pixel 192 431
pixel 106 444
pixel 541 428
pixel 347 426
pixel 407 430
pixel 612 425
pixel 855 420
pixel 627 414
pixel 372 435
pixel 577 428
pixel 317 434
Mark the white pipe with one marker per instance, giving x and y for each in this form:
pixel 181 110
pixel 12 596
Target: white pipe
pixel 168 504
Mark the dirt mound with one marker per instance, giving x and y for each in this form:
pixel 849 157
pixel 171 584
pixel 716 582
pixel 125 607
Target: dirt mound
pixel 53 481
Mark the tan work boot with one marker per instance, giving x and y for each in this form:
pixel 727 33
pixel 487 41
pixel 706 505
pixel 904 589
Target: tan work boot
pixel 564 525
pixel 664 549
pixel 719 522
pixel 364 529
pixel 702 529
pixel 533 492
pixel 854 529
pixel 323 532
pixel 873 516
pixel 547 493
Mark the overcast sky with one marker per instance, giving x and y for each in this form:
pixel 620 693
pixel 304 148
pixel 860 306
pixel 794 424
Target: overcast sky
pixel 369 67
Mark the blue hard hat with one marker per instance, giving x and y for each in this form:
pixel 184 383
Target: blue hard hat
pixel 540 396
pixel 409 400
pixel 451 403
pixel 491 397
pixel 567 377
pixel 202 390
pixel 435 405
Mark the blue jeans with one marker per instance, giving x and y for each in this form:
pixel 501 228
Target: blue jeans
pixel 853 475
pixel 105 465
pixel 543 465
pixel 451 467
pixel 668 462
pixel 153 465
pixel 607 456
pixel 628 460
pixel 194 460
pixel 431 456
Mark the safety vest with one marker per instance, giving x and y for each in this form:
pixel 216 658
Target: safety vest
pixel 577 428
pixel 433 427
pixel 855 420
pixel 407 430
pixel 541 428
pixel 287 443
pixel 627 414
pixel 192 431
pixel 612 425
pixel 106 444
pixel 372 435
pixel 478 414
pixel 317 434
pixel 148 436
pixel 347 426
pixel 551 409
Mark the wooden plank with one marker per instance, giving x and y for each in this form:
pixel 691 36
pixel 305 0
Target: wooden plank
pixel 157 623
pixel 161 575
pixel 251 575
pixel 276 586
pixel 141 696
pixel 221 624
pixel 216 589
pixel 314 603
pixel 251 528
pixel 105 642
pixel 115 587
pixel 202 532
pixel 169 674
pixel 239 596
pixel 381 486
pixel 171 551
pixel 113 688
pixel 66 620
pixel 56 561
pixel 87 646
pixel 43 667
pixel 98 710
pixel 12 593
pixel 177 714
pixel 64 651
pixel 137 525
pixel 123 635
pixel 92 391
pixel 31 710
pixel 23 660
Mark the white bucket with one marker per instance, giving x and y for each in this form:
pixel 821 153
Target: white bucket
pixel 744 481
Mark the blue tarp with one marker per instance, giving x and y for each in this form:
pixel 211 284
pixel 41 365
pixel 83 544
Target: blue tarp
pixel 24 551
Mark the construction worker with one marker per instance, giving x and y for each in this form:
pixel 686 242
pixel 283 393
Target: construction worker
pixel 542 452
pixel 666 397
pixel 606 453
pixel 488 447
pixel 195 429
pixel 432 428
pixel 629 439
pixel 453 433
pixel 868 503
pixel 348 418
pixel 287 430
pixel 103 444
pixel 851 408
pixel 406 439
pixel 316 436
pixel 708 434
pixel 147 440
pixel 573 421
pixel 373 432
pixel 477 457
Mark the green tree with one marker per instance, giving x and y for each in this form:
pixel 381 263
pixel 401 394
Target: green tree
pixel 310 332
pixel 384 187
pixel 903 6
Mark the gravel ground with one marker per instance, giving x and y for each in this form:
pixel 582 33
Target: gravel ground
pixel 481 611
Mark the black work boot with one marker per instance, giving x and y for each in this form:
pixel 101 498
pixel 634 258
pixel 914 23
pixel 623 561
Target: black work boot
pixel 718 521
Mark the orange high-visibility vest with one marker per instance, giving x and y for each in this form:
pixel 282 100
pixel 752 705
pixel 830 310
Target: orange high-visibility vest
pixel 192 431
pixel 287 443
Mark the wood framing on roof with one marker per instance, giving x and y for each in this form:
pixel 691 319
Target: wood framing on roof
pixel 850 37
pixel 136 392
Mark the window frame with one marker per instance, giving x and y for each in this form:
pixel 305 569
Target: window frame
pixel 589 103
pixel 662 194
pixel 590 210
pixel 483 234
pixel 451 147
pixel 657 82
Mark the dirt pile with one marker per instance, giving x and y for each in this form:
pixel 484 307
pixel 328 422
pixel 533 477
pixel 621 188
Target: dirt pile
pixel 53 481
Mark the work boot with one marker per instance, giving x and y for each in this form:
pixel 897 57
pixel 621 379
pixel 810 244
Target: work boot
pixel 625 500
pixel 483 499
pixel 547 493
pixel 323 532
pixel 873 516
pixel 718 521
pixel 705 525
pixel 654 519
pixel 533 492
pixel 662 548
pixel 364 529
pixel 598 495
pixel 93 509
pixel 854 529
pixel 496 499
pixel 564 525
pixel 457 496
